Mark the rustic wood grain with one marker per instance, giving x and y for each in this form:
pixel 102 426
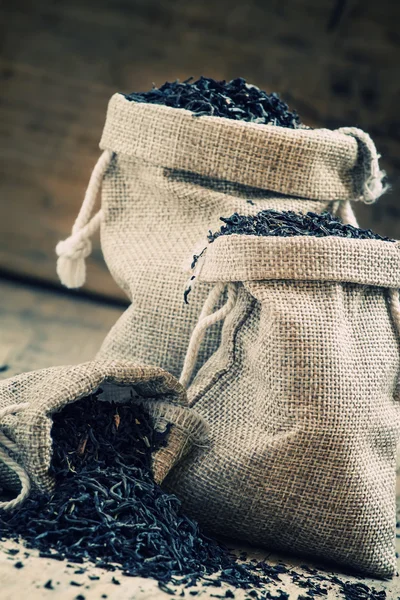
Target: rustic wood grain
pixel 37 572
pixel 336 62
pixel 41 328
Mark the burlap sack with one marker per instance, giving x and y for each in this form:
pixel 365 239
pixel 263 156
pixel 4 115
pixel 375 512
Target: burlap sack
pixel 167 177
pixel 301 398
pixel 28 401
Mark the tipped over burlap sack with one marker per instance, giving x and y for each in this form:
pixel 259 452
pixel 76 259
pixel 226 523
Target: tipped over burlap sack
pixel 167 176
pixel 28 401
pixel 301 397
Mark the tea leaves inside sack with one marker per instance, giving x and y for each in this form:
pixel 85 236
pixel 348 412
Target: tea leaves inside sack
pixel 285 224
pixel 289 224
pixel 234 99
pixel 108 510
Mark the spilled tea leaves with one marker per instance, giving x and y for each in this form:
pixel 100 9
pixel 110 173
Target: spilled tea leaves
pixel 108 510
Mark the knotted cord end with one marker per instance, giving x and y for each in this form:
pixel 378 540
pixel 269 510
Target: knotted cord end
pixel 71 265
pixel 71 268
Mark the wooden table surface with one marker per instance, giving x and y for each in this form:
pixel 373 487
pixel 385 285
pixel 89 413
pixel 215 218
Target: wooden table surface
pixel 41 328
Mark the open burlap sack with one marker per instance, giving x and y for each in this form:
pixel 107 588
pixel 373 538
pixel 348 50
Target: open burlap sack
pixel 28 401
pixel 301 398
pixel 167 176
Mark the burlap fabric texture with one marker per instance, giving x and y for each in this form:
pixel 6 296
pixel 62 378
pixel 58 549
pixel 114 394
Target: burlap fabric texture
pixel 167 176
pixel 28 401
pixel 301 398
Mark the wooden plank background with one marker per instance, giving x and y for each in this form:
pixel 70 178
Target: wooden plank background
pixel 335 61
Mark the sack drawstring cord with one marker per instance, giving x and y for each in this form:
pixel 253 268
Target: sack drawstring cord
pixel 6 459
pixel 206 319
pixel 395 307
pixel 72 252
pixel 346 214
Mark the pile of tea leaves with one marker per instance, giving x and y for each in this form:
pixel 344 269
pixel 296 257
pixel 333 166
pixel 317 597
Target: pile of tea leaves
pixel 290 224
pixel 234 99
pixel 107 510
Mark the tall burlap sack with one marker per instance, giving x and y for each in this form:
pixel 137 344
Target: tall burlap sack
pixel 167 176
pixel 301 398
pixel 28 401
